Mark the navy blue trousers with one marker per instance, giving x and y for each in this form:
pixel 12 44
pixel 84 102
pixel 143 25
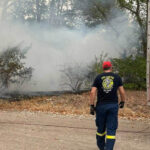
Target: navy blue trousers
pixel 107 124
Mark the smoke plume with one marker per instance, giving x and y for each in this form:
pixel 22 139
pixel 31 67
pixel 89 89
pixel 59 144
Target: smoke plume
pixel 55 47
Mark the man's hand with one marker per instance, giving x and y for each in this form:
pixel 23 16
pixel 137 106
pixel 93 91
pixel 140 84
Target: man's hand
pixel 92 109
pixel 121 105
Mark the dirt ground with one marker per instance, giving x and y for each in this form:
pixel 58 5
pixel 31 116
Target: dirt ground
pixel 46 131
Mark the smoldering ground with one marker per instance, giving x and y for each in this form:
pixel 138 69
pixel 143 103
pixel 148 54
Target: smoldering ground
pixel 55 47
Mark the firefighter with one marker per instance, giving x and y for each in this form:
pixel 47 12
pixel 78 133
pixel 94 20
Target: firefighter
pixel 106 86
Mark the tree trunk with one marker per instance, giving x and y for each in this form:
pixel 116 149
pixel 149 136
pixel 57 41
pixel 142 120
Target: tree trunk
pixel 38 11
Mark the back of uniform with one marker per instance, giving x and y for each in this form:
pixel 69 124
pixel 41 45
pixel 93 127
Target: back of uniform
pixel 107 85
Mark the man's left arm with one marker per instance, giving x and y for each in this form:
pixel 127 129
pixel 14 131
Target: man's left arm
pixel 122 95
pixel 92 100
pixel 93 95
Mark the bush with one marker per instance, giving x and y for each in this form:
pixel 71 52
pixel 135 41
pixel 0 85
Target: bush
pixel 95 68
pixel 74 77
pixel 133 71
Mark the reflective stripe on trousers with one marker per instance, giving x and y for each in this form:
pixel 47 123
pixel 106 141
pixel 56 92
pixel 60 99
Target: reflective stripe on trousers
pixel 101 134
pixel 107 136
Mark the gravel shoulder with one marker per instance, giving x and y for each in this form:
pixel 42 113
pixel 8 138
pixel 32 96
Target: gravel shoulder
pixel 46 131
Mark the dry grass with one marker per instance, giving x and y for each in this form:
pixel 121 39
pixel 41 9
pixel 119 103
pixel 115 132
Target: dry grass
pixel 78 104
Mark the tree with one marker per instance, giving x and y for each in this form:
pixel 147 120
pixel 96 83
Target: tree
pixel 26 11
pixel 138 9
pixel 5 5
pixel 40 10
pixel 56 12
pixel 50 12
pixel 93 12
pixel 12 68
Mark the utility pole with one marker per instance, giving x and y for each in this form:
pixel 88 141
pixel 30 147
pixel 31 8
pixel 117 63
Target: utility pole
pixel 148 53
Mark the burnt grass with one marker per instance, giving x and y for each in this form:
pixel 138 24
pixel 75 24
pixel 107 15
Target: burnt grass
pixel 71 103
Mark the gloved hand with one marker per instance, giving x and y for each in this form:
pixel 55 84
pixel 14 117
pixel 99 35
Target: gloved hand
pixel 121 105
pixel 92 109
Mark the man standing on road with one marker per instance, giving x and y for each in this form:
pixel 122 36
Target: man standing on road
pixel 106 86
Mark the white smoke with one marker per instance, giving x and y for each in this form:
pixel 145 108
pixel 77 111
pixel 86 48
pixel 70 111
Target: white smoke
pixel 53 48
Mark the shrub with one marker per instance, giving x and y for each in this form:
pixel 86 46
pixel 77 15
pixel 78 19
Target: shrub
pixel 133 71
pixel 12 67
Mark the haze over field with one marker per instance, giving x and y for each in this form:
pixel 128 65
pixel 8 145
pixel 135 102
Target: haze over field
pixel 53 47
